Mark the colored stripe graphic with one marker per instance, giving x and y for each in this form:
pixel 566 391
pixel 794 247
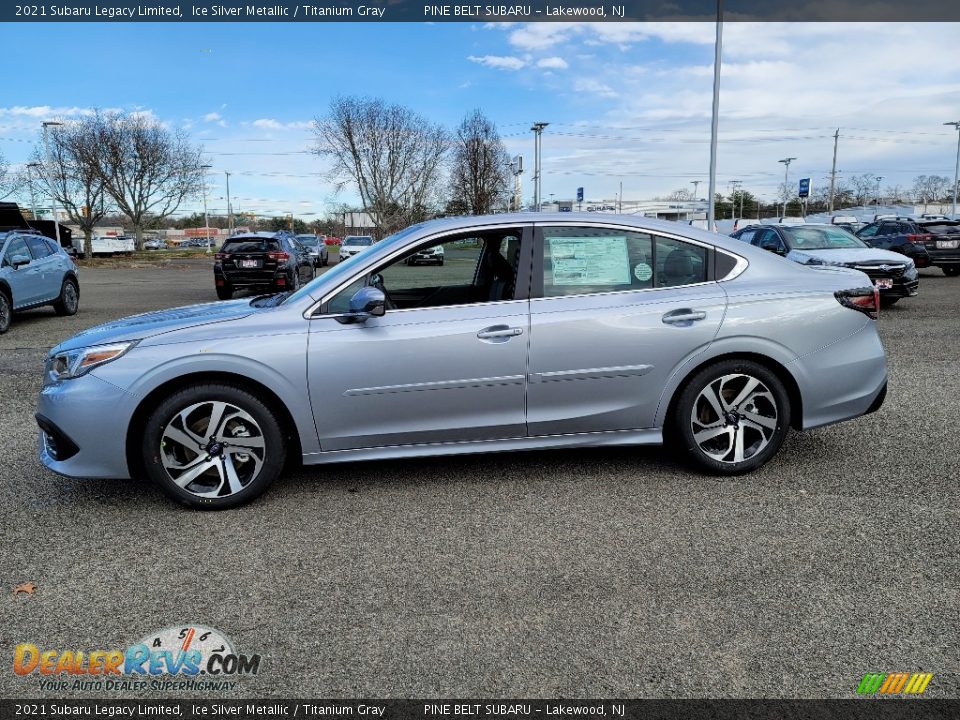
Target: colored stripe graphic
pixel 894 683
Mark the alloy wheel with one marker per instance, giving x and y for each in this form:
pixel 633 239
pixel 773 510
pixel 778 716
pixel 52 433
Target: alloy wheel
pixel 733 418
pixel 212 449
pixel 70 298
pixel 5 313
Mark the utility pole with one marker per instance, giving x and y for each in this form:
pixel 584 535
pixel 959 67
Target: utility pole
pixel 833 170
pixel 229 207
pixel 206 218
pixel 956 170
pixel 736 189
pixel 53 191
pixel 715 120
pixel 537 173
pixel 786 181
pixel 620 200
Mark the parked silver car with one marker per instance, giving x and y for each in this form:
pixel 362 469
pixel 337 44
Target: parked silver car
pixel 35 271
pixel 542 331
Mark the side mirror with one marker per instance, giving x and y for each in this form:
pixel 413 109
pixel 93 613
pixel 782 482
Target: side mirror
pixel 368 302
pixel 772 246
pixel 19 261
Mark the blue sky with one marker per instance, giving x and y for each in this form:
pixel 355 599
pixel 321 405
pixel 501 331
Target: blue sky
pixel 625 101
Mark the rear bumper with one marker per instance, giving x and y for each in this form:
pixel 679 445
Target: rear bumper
pixel 278 278
pixel 843 380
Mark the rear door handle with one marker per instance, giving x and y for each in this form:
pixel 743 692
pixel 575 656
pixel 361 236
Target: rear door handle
pixel 685 315
pixel 503 332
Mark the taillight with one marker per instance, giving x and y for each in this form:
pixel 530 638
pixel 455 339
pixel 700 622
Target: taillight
pixel 278 255
pixel 220 256
pixel 865 299
pixel 919 238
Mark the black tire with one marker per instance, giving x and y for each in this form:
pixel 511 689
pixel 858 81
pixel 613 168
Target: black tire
pixel 296 280
pixel 69 300
pixel 261 425
pixel 771 406
pixel 224 292
pixel 886 302
pixel 951 270
pixel 441 261
pixel 6 312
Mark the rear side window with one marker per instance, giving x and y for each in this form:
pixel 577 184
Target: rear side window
pixel 257 245
pixel 39 247
pixel 579 261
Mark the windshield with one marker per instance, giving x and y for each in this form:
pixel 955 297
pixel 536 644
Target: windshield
pixel 361 241
pixel 344 268
pixel 821 238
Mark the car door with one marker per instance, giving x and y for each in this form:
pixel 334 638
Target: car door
pixel 445 363
pixel 47 267
pixel 613 313
pixel 25 281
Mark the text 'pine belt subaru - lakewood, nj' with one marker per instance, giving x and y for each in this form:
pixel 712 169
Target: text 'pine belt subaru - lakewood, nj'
pixel 538 331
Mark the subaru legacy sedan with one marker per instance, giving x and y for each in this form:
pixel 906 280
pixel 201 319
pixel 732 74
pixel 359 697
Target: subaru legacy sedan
pixel 540 331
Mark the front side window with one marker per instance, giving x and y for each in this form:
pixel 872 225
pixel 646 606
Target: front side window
pixel 475 268
pixel 584 260
pixel 868 231
pixel 15 247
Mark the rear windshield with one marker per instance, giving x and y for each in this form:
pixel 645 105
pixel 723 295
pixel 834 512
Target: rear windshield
pixel 308 239
pixel 941 228
pixel 250 245
pixel 363 241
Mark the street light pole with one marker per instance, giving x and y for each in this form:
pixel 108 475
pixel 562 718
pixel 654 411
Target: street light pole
pixel 537 173
pixel 206 218
pixel 696 184
pixel 53 192
pixel 229 207
pixel 956 170
pixel 878 179
pixel 715 120
pixel 786 181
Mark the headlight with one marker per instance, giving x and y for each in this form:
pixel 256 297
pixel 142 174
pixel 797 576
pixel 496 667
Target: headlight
pixel 74 363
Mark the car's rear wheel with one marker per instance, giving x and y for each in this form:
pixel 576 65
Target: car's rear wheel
pixel 6 312
pixel 951 270
pixel 732 416
pixel 69 300
pixel 213 447
pixel 888 301
pixel 224 292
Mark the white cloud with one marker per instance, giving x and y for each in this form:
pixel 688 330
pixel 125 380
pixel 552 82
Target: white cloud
pixel 500 62
pixel 594 87
pixel 273 124
pixel 552 63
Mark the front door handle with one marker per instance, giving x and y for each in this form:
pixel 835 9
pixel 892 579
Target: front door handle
pixel 499 332
pixel 685 315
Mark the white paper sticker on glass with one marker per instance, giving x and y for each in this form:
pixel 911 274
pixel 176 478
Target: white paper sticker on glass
pixel 590 260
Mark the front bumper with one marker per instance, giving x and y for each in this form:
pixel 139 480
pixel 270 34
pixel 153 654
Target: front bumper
pixel 902 288
pixel 86 421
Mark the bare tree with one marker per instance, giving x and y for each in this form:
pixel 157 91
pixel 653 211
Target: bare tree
pixel 145 168
pixel 10 182
pixel 480 179
pixel 76 185
pixel 393 156
pixel 864 187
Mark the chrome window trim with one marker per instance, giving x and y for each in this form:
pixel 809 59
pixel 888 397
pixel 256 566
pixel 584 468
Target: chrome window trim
pixel 629 291
pixel 308 313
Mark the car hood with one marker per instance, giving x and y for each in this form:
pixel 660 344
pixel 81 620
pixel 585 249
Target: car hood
pixel 138 327
pixel 844 256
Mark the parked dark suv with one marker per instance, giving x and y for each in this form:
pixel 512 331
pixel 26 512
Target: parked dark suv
pixel 928 243
pixel 264 261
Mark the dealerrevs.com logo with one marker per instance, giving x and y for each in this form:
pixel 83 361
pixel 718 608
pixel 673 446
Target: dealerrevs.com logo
pixel 191 658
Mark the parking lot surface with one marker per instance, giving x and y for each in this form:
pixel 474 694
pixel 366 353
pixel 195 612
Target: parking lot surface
pixel 583 573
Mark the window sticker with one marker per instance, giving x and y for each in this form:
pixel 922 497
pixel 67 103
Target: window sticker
pixel 590 260
pixel 642 272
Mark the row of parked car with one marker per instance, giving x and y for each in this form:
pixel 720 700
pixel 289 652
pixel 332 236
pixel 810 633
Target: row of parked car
pixel 889 250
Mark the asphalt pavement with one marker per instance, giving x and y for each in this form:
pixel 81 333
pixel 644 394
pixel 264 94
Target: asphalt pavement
pixel 579 573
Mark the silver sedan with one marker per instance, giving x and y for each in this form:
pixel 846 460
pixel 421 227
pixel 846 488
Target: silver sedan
pixel 538 331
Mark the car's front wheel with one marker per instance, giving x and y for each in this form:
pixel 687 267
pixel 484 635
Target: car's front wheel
pixel 951 270
pixel 69 300
pixel 6 312
pixel 213 447
pixel 732 416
